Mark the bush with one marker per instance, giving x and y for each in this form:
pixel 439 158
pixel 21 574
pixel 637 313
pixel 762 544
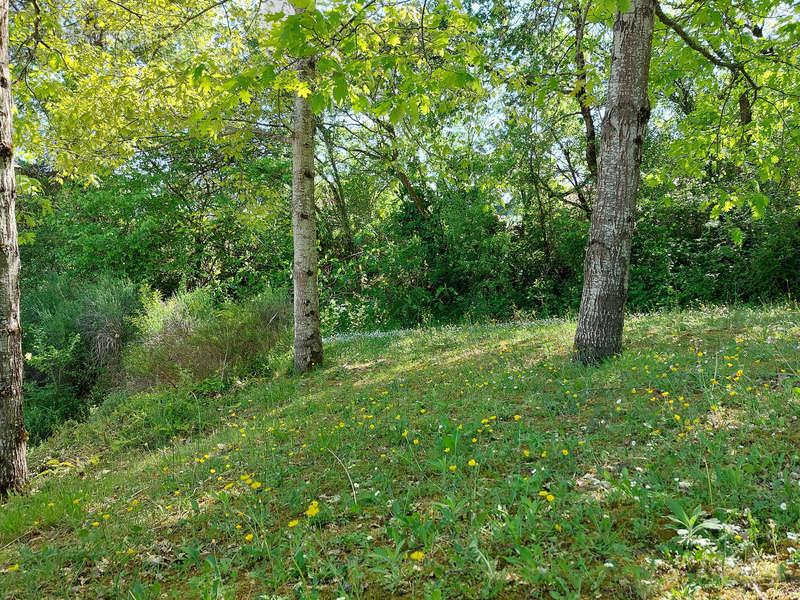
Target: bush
pixel 188 337
pixel 73 335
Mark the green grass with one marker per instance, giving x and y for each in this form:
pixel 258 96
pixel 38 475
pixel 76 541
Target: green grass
pixel 194 493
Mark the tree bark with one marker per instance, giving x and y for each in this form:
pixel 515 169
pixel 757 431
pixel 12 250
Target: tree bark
pixel 401 175
pixel 605 286
pixel 13 436
pixel 307 337
pixel 580 86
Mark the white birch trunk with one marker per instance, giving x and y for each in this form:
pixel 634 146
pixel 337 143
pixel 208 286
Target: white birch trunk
pixel 307 336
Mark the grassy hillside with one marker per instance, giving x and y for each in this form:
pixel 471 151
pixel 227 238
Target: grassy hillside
pixel 473 462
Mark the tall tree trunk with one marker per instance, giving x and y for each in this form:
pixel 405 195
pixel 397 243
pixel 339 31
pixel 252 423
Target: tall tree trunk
pixel 307 337
pixel 605 286
pixel 13 436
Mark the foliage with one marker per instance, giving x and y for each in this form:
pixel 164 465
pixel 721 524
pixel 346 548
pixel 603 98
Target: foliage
pixel 190 337
pixel 74 335
pixel 202 221
pixel 692 529
pixel 475 257
pixel 467 262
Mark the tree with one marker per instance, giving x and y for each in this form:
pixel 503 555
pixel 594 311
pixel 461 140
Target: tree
pixel 13 436
pixel 307 336
pixel 343 54
pixel 605 286
pixel 130 76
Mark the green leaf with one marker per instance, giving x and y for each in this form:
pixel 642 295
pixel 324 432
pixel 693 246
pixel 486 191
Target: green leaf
pixel 197 73
pixel 758 203
pixel 339 87
pixel 397 113
pixel 317 102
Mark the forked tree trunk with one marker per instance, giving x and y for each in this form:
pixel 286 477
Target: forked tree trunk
pixel 13 437
pixel 307 337
pixel 605 286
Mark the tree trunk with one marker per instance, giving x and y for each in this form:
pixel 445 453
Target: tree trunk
pixel 580 86
pixel 307 337
pixel 13 436
pixel 605 286
pixel 338 193
pixel 401 175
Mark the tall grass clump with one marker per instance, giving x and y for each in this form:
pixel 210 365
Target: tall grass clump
pixel 191 337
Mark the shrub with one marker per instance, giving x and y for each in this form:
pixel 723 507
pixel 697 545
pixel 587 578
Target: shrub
pixel 73 332
pixel 189 337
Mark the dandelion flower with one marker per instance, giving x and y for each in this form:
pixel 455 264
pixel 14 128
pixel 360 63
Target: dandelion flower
pixel 418 555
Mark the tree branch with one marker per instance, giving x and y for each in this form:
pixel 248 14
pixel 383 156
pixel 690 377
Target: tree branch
pixel 724 62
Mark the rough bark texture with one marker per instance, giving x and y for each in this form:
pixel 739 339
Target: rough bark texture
pixel 605 286
pixel 13 436
pixel 307 337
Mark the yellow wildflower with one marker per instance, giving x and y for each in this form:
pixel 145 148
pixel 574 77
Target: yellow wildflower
pixel 313 509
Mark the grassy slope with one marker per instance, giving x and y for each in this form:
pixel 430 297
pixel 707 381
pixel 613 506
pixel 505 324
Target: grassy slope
pixel 574 471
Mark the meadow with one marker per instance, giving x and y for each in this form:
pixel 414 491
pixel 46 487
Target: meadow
pixel 455 462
